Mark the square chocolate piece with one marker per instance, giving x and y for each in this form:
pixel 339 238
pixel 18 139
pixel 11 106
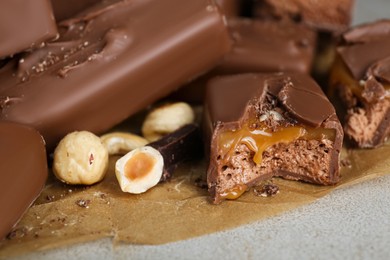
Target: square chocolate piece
pixel 265 125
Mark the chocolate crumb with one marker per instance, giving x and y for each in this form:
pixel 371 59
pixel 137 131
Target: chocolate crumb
pixel 201 183
pixel 83 203
pixel 50 197
pixel 17 233
pixel 346 163
pixel 267 190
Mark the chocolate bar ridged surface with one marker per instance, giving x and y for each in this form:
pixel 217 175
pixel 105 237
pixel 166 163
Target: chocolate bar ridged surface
pixel 361 77
pixel 25 25
pixel 111 61
pixel 265 125
pixel 23 172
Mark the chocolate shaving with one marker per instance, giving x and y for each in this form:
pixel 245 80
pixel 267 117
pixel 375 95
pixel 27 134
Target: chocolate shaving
pixel 267 190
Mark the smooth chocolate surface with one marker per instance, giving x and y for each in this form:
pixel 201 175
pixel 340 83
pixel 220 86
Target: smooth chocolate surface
pixel 230 8
pixel 24 25
pixel 269 46
pixel 23 172
pixel 111 61
pixel 235 101
pixel 364 45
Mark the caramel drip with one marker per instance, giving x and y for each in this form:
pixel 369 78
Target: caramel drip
pixel 258 140
pixel 235 192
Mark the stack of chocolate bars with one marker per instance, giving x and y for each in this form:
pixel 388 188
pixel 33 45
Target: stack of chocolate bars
pixel 91 64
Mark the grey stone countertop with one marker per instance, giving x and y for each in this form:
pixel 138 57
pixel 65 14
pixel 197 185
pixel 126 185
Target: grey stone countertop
pixel 349 223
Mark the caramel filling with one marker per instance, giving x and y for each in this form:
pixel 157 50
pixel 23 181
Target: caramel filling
pixel 258 140
pixel 139 166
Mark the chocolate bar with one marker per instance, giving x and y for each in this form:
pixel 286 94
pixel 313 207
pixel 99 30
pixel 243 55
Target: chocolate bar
pixel 25 25
pixel 110 62
pixel 178 146
pixel 259 46
pixel 361 78
pixel 265 125
pixel 23 172
pixel 268 46
pixel 331 15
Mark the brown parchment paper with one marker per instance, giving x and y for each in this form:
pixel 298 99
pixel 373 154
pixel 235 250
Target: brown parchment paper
pixel 177 210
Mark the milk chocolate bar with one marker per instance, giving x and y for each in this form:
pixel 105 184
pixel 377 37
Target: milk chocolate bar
pixel 23 172
pixel 109 62
pixel 268 46
pixel 260 46
pixel 25 24
pixel 331 15
pixel 361 78
pixel 266 125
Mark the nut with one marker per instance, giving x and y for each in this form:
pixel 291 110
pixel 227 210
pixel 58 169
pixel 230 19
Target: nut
pixel 80 158
pixel 139 170
pixel 122 143
pixel 166 119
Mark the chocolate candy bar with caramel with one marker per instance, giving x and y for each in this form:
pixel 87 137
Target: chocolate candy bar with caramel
pixel 111 61
pixel 268 46
pixel 260 46
pixel 330 15
pixel 361 78
pixel 25 24
pixel 23 172
pixel 265 125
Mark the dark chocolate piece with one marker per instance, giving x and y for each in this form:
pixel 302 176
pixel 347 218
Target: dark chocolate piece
pixel 25 24
pixel 330 15
pixel 265 125
pixel 178 146
pixel 111 62
pixel 361 77
pixel 23 172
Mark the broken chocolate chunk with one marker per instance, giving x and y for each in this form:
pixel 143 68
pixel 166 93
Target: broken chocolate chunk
pixel 178 146
pixel 360 76
pixel 265 125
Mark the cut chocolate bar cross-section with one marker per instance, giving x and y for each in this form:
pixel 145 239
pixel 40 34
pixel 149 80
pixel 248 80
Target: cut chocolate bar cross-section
pixel 361 78
pixel 265 125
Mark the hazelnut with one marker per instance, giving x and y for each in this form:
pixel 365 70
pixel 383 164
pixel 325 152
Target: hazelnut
pixel 80 158
pixel 166 119
pixel 139 170
pixel 122 143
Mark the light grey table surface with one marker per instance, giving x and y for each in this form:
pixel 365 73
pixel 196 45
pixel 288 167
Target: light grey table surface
pixel 350 223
